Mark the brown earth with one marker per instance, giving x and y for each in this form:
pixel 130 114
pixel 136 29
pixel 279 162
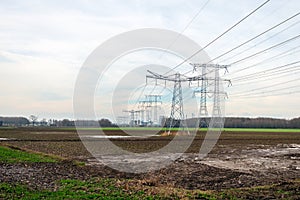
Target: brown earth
pixel 239 160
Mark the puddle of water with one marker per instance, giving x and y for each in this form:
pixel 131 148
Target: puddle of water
pixel 259 159
pixel 117 136
pixel 137 163
pixel 283 158
pixel 5 139
pixel 135 158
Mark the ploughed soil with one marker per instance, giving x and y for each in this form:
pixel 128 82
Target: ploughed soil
pixel 238 160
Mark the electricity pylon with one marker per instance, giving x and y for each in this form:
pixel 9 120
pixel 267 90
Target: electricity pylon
pixel 145 107
pixel 151 101
pixel 122 120
pixel 204 91
pixel 132 116
pixel 154 99
pixel 177 117
pixel 177 103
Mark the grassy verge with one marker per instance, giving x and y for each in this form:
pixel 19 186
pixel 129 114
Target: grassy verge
pixel 13 155
pixel 76 189
pixel 285 190
pixel 113 189
pixel 273 130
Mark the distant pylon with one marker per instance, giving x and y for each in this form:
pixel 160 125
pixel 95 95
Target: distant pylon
pixel 132 113
pixel 154 99
pixel 217 112
pixel 217 104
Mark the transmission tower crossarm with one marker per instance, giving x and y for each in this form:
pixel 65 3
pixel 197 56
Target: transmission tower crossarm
pixel 155 75
pixel 215 66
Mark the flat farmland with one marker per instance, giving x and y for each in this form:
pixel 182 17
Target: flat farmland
pixel 243 163
pixel 63 141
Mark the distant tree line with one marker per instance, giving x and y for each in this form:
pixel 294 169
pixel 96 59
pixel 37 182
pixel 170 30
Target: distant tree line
pixel 239 122
pixel 82 123
pixel 14 121
pixel 236 122
pixel 294 123
pixel 230 122
pixel 32 121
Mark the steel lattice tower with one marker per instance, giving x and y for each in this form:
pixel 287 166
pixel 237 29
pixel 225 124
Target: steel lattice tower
pixel 154 99
pixel 177 103
pixel 217 112
pixel 203 98
pixel 177 117
pixel 177 114
pixel 204 91
pixel 151 101
pixel 132 113
pixel 217 103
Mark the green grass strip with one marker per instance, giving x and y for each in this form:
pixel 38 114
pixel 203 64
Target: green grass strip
pixel 273 130
pixel 74 189
pixel 13 156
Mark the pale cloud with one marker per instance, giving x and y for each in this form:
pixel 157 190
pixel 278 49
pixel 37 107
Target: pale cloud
pixel 44 43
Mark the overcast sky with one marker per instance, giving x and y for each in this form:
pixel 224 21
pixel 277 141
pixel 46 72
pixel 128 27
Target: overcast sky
pixel 43 44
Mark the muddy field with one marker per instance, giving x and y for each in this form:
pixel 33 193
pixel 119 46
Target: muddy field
pixel 239 160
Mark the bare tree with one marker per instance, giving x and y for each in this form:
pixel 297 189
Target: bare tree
pixel 33 119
